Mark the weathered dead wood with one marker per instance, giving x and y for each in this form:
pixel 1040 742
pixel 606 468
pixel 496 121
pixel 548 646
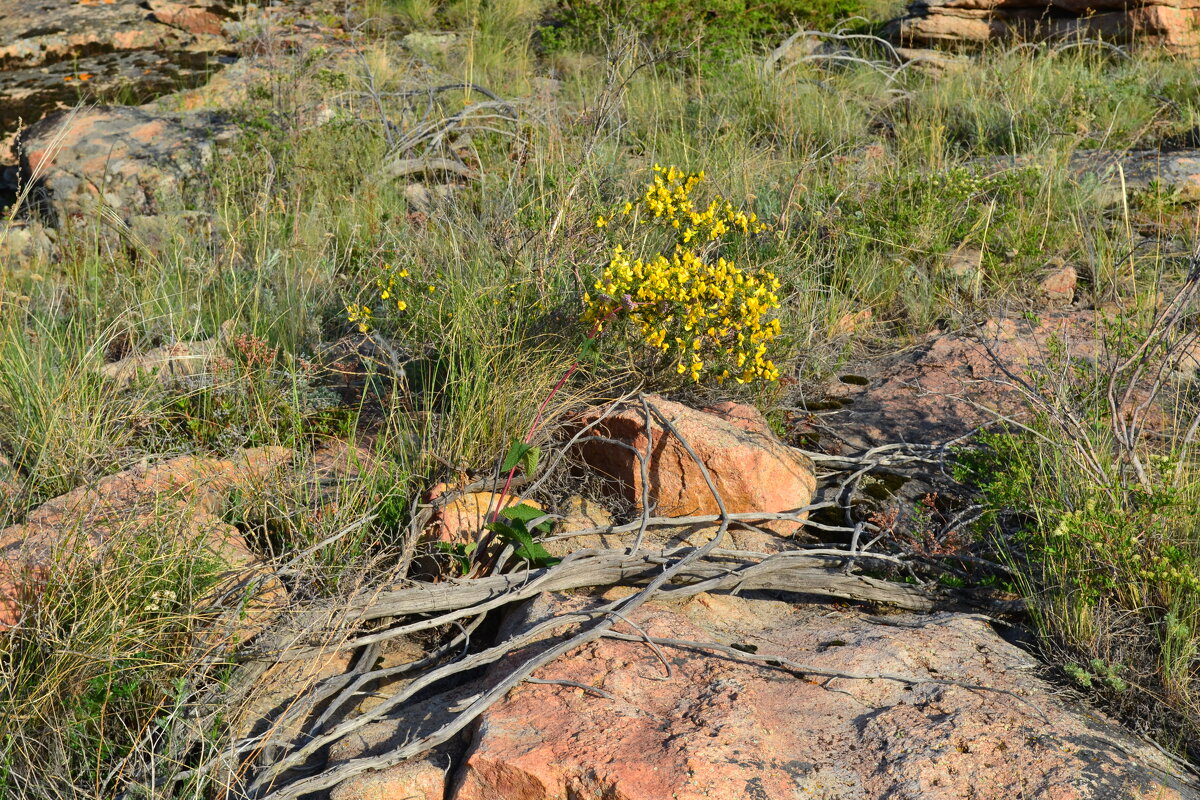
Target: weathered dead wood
pixel 403 167
pixel 791 571
pixel 815 572
pixel 595 624
pixel 279 764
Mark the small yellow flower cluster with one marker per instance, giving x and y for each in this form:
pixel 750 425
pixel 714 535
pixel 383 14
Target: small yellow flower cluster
pixel 388 285
pixel 357 312
pixel 711 316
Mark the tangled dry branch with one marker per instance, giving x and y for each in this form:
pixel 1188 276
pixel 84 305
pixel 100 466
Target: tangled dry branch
pixel 284 762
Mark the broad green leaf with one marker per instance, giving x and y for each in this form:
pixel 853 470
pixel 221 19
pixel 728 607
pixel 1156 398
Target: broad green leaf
pixel 516 452
pixel 522 537
pixel 518 535
pixel 536 555
pixel 526 514
pixel 505 531
pixel 529 461
pixel 523 512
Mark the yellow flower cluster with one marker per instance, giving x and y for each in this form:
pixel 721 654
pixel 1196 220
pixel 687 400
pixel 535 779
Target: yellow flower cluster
pixel 357 312
pixel 667 200
pixel 388 286
pixel 713 317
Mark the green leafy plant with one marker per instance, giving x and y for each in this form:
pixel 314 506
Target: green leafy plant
pixel 512 527
pixel 719 27
pixel 1100 536
pixel 460 554
pixel 252 396
pixel 1097 672
pixel 523 455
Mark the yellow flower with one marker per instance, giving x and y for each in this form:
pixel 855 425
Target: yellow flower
pixel 665 294
pixel 360 314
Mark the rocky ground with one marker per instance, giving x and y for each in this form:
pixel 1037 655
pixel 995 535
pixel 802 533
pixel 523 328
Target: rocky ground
pixel 802 664
pixel 1170 25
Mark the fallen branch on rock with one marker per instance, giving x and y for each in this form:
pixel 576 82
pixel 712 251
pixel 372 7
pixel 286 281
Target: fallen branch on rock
pixel 284 762
pixel 600 621
pixel 815 572
pixel 669 572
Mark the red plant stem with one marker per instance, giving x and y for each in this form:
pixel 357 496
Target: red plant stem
pixel 537 420
pixel 532 431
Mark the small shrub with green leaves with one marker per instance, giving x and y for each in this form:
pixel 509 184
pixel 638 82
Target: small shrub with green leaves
pixel 718 27
pixel 1111 572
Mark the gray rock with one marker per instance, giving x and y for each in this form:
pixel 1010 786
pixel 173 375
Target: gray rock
pixel 1176 171
pixel 933 62
pixel 24 244
pixel 29 93
pixel 126 160
pixel 1118 173
pixel 157 233
pixel 425 43
pixel 53 53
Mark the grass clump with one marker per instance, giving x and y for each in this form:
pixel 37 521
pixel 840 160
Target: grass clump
pixel 250 397
pixel 61 423
pixel 101 664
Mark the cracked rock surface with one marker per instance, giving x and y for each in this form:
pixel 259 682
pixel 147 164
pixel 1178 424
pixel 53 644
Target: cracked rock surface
pixel 721 727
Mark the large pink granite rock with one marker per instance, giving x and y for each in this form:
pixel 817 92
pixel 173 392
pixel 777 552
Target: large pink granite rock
pixel 751 468
pixel 722 728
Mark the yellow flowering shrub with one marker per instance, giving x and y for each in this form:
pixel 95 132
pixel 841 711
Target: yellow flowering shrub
pixel 685 302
